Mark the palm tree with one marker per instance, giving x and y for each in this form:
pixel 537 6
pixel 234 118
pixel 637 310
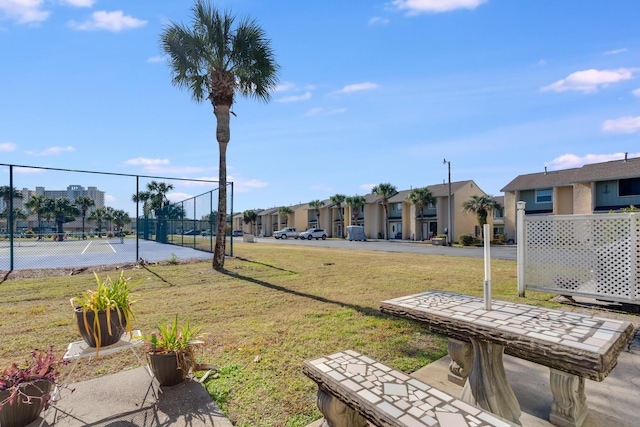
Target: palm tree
pixel 98 216
pixel 40 205
pixel 84 203
pixel 385 191
pixel 481 206
pixel 213 60
pixel 285 211
pixel 120 218
pixel 159 204
pixel 250 216
pixel 64 211
pixel 354 202
pixel 316 205
pixel 18 214
pixel 338 200
pixel 421 198
pixel 7 193
pixel 143 197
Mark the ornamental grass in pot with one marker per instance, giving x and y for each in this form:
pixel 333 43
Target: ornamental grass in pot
pixel 25 389
pixel 104 314
pixel 171 352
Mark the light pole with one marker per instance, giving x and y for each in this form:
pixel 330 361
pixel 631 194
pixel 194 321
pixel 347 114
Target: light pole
pixel 450 227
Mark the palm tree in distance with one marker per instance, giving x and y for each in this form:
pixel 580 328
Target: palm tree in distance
pixel 249 217
pixel 338 200
pixel 160 206
pixel 40 205
pixel 385 191
pixel 64 211
pixel 84 203
pixel 316 205
pixel 18 215
pixel 143 197
pixel 285 211
pixel 355 202
pixel 213 60
pixel 421 198
pixel 481 206
pixel 7 193
pixel 98 216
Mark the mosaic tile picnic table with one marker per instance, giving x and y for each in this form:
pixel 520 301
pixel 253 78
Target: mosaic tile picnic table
pixel 390 397
pixel 575 346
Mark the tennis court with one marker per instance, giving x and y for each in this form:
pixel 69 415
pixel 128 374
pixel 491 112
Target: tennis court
pixel 34 254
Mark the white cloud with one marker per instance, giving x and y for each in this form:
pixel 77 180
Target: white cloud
pixel 110 21
pixel 615 51
pixel 156 59
pixel 358 87
pixel 23 11
pixel 141 161
pixel 313 112
pixel 295 98
pixel 285 87
pixel 588 81
pixel 367 187
pixel 415 7
pixel 51 151
pixel 7 147
pixel 567 161
pixel 178 197
pixel 636 92
pixel 622 125
pixel 109 198
pixel 377 20
pixel 175 170
pixel 244 186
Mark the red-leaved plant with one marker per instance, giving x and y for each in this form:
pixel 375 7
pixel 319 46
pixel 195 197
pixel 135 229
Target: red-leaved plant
pixel 41 366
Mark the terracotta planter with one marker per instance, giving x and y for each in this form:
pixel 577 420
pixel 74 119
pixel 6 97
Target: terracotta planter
pixel 118 326
pixel 165 368
pixel 20 414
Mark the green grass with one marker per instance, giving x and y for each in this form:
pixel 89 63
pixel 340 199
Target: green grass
pixel 277 306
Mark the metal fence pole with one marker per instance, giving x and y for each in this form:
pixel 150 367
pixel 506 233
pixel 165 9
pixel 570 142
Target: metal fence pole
pixel 137 218
pixel 231 216
pixel 10 218
pixel 521 243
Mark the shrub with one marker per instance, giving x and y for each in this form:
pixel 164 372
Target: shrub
pixel 29 234
pixel 466 239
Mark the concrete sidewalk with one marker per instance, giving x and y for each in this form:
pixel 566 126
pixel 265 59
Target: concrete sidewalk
pixel 126 399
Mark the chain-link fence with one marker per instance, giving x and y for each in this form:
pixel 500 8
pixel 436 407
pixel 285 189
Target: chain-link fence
pixel 60 218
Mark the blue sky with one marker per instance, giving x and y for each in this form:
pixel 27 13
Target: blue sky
pixel 370 92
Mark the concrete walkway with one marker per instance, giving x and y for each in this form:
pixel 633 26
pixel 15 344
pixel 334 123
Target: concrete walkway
pixel 125 399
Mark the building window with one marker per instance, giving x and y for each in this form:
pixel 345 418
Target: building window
pixel 629 187
pixel 497 213
pixel 544 196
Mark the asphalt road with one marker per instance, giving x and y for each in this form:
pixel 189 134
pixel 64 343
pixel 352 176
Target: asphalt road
pixel 507 252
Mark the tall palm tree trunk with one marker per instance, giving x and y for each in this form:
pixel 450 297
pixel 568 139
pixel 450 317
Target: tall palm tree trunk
pixel 223 135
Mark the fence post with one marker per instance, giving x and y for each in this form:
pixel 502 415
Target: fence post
pixel 635 257
pixel 521 245
pixel 9 212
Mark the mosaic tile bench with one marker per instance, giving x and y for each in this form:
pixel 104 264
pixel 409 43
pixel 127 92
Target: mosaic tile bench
pixel 574 346
pixel 354 389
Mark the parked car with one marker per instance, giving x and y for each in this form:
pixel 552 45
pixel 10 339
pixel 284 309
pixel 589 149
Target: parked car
pixel 191 233
pixel 286 232
pixel 314 233
pixel 237 233
pixel 207 233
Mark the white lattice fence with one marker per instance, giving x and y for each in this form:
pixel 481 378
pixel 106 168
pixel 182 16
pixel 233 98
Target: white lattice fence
pixel 585 255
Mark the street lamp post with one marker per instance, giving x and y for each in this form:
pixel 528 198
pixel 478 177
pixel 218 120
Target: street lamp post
pixel 450 228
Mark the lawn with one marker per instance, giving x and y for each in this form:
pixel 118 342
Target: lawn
pixel 277 306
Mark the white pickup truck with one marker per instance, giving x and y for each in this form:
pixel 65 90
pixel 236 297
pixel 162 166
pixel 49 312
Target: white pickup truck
pixel 286 232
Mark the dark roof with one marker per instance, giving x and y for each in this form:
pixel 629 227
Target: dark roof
pixel 616 169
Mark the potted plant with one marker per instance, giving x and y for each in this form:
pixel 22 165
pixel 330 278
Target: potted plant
pixel 26 389
pixel 104 314
pixel 171 352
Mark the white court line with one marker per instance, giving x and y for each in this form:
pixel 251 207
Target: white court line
pixel 114 251
pixel 87 247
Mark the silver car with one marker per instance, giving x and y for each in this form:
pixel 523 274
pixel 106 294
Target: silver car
pixel 314 233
